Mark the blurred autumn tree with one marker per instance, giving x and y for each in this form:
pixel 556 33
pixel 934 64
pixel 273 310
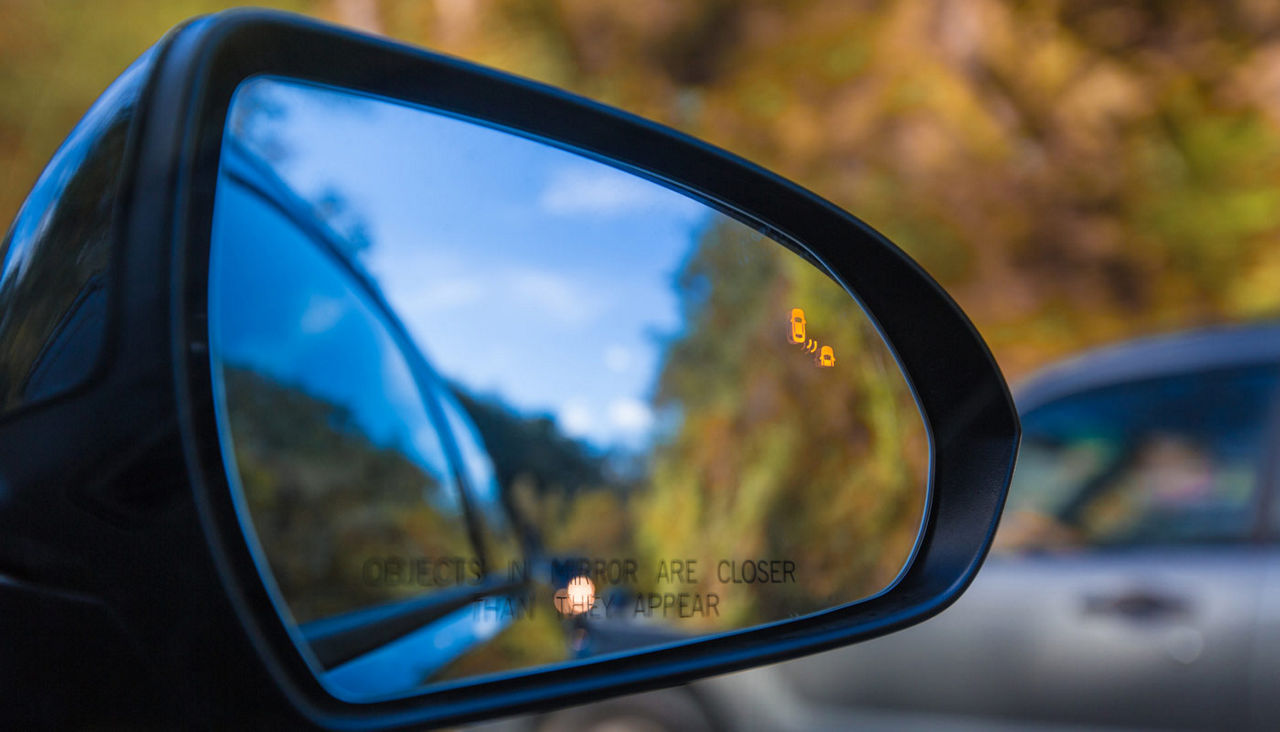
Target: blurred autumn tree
pixel 1073 172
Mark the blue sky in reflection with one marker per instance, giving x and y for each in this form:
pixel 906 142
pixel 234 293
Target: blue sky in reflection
pixel 295 316
pixel 524 271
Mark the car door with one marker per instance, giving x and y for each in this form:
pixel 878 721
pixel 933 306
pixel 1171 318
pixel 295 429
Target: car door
pixel 1127 576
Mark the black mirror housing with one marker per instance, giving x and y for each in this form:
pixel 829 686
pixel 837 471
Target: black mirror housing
pixel 113 479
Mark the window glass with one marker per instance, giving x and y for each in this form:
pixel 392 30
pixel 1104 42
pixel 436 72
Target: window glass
pixel 339 469
pixel 1162 461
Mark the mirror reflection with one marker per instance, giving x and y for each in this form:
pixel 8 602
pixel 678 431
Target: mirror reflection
pixel 488 404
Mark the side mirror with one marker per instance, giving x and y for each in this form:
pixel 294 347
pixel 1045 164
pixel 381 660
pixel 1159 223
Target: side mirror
pixel 454 395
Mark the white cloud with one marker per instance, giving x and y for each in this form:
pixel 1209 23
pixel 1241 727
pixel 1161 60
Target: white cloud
pixel 625 420
pixel 630 416
pixel 422 287
pixel 576 419
pixel 603 191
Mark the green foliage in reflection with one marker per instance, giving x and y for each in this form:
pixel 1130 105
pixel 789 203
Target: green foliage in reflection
pixel 565 498
pixel 324 499
pixel 747 469
pixel 774 457
pixel 531 448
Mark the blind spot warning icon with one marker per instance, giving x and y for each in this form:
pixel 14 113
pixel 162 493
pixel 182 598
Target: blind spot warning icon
pixel 827 357
pixel 796 322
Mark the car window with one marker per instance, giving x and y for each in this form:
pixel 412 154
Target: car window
pixel 338 467
pixel 1162 461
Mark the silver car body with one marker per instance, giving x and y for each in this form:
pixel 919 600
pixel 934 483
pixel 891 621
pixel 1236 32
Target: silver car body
pixel 1167 634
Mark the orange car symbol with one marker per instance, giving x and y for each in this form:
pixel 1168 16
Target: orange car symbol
pixel 827 357
pixel 797 325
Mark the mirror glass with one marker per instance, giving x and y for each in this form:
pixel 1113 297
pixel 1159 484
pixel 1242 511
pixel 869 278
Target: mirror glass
pixel 487 404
